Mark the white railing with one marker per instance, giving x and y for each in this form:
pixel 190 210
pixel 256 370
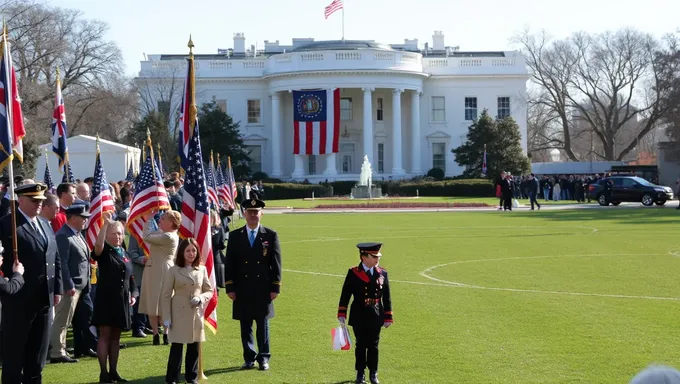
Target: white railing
pixel 367 59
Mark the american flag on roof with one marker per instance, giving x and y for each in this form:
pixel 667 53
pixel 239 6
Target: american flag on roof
pixel 12 130
pixel 101 201
pixel 68 174
pixel 195 200
pixel 59 126
pixel 336 5
pixel 149 194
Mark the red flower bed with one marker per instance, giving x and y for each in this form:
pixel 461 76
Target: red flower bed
pixel 400 204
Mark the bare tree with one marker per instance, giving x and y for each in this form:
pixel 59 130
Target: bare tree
pixel 160 90
pixel 607 81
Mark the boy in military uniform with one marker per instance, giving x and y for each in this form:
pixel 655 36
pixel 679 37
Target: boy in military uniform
pixel 371 308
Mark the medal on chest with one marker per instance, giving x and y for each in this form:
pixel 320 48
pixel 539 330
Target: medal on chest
pixel 265 248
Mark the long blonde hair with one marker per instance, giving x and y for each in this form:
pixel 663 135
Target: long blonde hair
pixel 175 218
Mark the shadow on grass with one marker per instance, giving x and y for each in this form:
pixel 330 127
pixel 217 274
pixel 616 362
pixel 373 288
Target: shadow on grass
pixel 624 215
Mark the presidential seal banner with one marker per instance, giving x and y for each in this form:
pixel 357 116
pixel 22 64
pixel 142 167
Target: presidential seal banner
pixel 316 126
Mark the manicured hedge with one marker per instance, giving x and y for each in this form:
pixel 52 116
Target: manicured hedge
pixel 282 191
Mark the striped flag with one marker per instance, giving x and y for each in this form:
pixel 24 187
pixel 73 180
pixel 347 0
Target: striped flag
pixel 47 178
pixel 12 130
pixel 149 194
pixel 316 125
pixel 59 126
pixel 101 201
pixel 211 183
pixel 130 174
pixel 336 5
pixel 188 115
pixel 230 181
pixel 68 174
pixel 221 184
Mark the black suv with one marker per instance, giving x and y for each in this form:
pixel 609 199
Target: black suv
pixel 630 189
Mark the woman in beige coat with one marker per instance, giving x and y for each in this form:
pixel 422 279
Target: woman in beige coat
pixel 162 248
pixel 186 289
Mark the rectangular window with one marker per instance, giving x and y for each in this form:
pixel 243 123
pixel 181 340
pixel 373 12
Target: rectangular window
pixel 381 157
pixel 379 109
pixel 438 108
pixel 503 107
pixel 222 105
pixel 311 164
pixel 255 154
pixel 346 108
pixel 439 156
pixel 163 108
pixel 254 115
pixel 470 108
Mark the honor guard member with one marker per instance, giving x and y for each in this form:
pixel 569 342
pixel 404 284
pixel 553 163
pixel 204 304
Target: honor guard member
pixel 253 281
pixel 25 315
pixel 371 308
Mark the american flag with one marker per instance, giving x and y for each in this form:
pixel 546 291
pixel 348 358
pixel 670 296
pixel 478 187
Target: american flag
pixel 196 217
pixel 212 184
pixel 47 178
pixel 68 174
pixel 188 115
pixel 59 127
pixel 316 122
pixel 332 7
pixel 149 194
pixel 220 183
pixel 100 201
pixel 130 174
pixel 12 130
pixel 230 183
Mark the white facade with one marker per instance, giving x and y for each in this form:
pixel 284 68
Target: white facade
pixel 82 151
pixel 403 107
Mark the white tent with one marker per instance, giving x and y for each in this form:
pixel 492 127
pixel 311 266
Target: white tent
pixel 82 151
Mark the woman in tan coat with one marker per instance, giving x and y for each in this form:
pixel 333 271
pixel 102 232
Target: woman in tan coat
pixel 186 289
pixel 162 248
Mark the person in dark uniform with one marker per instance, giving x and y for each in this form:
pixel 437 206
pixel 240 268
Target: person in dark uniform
pixel 253 281
pixel 25 315
pixel 371 308
pixel 10 286
pixel 507 192
pixel 116 294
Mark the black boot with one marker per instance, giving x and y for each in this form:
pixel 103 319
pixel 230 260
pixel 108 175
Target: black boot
pixel 373 376
pixel 116 377
pixel 156 339
pixel 165 339
pixel 360 378
pixel 104 378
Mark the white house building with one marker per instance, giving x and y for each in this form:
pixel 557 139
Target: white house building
pixel 403 106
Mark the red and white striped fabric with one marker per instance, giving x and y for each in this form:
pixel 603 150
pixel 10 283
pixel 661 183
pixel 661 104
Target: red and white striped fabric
pixel 100 202
pixel 332 7
pixel 316 125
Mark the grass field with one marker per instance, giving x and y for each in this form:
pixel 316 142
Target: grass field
pixel 308 203
pixel 589 296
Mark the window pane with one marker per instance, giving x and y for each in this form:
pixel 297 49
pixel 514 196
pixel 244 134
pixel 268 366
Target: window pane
pixel 312 164
pixel 503 107
pixel 439 156
pixel 255 154
pixel 345 109
pixel 438 108
pixel 253 111
pixel 470 108
pixel 381 157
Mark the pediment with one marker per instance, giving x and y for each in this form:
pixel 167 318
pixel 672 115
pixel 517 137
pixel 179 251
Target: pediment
pixel 438 135
pixel 254 137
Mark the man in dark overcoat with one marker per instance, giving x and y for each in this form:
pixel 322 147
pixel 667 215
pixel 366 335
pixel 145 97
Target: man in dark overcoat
pixel 371 308
pixel 253 281
pixel 26 315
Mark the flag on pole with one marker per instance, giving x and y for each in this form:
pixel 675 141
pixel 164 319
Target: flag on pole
pixel 316 125
pixel 336 5
pixel 195 200
pixel 159 160
pixel 68 174
pixel 101 201
pixel 59 126
pixel 220 183
pixel 484 163
pixel 130 174
pixel 12 130
pixel 47 178
pixel 230 181
pixel 149 194
pixel 211 183
pixel 188 116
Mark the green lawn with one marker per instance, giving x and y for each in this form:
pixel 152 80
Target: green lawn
pixel 309 203
pixel 589 296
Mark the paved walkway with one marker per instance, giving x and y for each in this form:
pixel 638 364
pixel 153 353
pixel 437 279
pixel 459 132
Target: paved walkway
pixel 523 207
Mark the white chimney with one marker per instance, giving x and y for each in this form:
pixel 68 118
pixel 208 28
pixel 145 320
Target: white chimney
pixel 438 41
pixel 239 43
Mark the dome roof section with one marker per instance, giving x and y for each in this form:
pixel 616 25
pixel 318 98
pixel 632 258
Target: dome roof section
pixel 339 45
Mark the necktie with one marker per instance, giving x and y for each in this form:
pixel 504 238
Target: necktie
pixel 252 237
pixel 36 227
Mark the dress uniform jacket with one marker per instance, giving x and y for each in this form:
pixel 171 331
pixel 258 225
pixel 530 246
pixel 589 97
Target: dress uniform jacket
pixel 253 272
pixel 179 286
pixel 372 304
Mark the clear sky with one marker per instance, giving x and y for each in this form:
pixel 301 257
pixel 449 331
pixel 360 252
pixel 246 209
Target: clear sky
pixel 163 26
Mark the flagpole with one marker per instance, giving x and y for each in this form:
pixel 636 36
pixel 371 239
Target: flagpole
pixel 10 131
pixel 343 23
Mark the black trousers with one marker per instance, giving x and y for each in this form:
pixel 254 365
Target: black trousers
pixel 366 350
pixel 25 339
pixel 175 363
pixel 262 334
pixel 507 203
pixel 532 196
pixel 83 338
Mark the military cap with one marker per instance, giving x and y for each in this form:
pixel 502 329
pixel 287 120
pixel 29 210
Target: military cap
pixel 78 209
pixel 253 203
pixel 370 249
pixel 34 191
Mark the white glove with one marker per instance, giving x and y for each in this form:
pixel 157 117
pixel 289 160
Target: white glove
pixel 195 301
pixel 341 320
pixel 166 324
pixel 387 324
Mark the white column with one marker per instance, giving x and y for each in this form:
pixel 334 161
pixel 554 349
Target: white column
pixel 276 135
pixel 368 124
pixel 299 171
pixel 331 169
pixel 415 133
pixel 397 168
